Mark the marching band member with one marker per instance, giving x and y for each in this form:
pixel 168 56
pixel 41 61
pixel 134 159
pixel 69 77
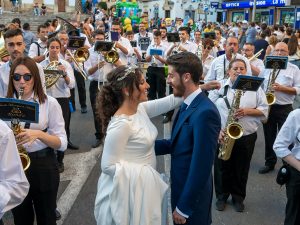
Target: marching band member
pixel 123 45
pixel 286 87
pixel 38 49
pixel 164 40
pixel 142 33
pixel 97 69
pixel 290 134
pixel 61 89
pixel 219 42
pixel 137 55
pixel 156 70
pixel 257 65
pixel 218 67
pixel 14 44
pixel 207 58
pixel 231 176
pixel 185 44
pixel 40 140
pixel 13 183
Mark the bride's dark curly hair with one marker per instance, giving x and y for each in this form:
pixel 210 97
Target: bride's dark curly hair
pixel 111 96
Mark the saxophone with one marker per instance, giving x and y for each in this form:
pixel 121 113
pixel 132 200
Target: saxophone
pixel 199 51
pixel 234 130
pixel 271 98
pixel 16 128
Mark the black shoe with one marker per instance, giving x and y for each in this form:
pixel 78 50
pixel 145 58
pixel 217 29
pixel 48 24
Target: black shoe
pixel 238 206
pixel 72 146
pixel 84 110
pixel 265 169
pixel 97 143
pixel 220 205
pixel 61 167
pixel 57 214
pixel 167 119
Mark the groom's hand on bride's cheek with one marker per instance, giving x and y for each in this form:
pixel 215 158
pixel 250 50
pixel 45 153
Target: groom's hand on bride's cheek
pixel 178 219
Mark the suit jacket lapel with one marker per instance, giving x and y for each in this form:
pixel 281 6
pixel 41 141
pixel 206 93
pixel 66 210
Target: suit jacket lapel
pixel 178 122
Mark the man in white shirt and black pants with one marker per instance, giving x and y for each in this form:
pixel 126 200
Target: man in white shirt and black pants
pixel 286 87
pixel 156 70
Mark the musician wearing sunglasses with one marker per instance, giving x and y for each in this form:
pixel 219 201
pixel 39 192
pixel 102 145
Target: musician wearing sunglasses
pixel 40 140
pixel 207 58
pixel 14 44
pixel 257 65
pixel 61 89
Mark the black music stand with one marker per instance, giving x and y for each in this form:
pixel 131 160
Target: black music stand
pixel 75 42
pixel 276 62
pixel 247 83
pixel 173 37
pixel 21 110
pixel 103 46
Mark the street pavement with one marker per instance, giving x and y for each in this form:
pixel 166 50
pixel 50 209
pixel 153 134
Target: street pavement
pixel 264 203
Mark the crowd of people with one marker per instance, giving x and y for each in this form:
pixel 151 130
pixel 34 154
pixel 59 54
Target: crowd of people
pixel 146 74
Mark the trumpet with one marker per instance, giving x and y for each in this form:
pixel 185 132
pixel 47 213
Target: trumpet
pixel 256 55
pixel 16 128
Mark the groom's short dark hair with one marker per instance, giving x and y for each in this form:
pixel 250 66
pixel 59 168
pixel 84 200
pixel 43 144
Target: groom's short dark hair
pixel 186 62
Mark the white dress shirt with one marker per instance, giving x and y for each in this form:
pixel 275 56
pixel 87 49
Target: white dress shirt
pixel 250 99
pixel 188 45
pixel 139 35
pixel 206 64
pixel 126 44
pixel 288 134
pixel 13 183
pixel 4 78
pixel 153 60
pixel 33 50
pixel 258 63
pixel 50 119
pixel 219 67
pixel 61 89
pixel 94 59
pixel 289 77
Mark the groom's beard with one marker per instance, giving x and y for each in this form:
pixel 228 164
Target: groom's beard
pixel 179 89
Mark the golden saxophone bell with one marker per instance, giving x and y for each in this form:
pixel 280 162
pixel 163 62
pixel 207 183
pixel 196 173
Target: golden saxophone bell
pixel 235 130
pixel 271 98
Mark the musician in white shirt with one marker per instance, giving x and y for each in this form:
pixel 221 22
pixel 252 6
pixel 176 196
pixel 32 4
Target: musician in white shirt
pixel 185 44
pixel 137 54
pixel 97 69
pixel 156 71
pixel 257 65
pixel 13 182
pixel 219 66
pixel 290 134
pixel 231 176
pixel 40 140
pixel 142 33
pixel 285 87
pixel 123 45
pixel 38 49
pixel 14 43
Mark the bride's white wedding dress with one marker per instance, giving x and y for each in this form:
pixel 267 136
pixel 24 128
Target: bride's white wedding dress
pixel 130 190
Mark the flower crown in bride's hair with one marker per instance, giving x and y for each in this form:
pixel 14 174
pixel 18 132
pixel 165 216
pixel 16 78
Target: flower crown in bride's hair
pixel 130 69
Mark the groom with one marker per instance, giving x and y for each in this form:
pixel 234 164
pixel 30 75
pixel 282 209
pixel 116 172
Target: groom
pixel 193 143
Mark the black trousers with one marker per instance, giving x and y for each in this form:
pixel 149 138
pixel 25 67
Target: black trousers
pixel 43 177
pixel 1 222
pixel 93 89
pixel 231 176
pixel 80 82
pixel 64 103
pixel 292 210
pixel 277 116
pixel 157 81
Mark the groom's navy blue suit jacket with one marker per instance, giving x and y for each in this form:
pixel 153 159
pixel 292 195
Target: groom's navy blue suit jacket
pixel 192 147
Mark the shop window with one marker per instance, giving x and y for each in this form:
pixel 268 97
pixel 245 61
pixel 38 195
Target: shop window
pixel 237 16
pixel 167 14
pixel 287 17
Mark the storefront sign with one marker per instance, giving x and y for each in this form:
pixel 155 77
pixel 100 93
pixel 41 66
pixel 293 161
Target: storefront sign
pixel 214 5
pixel 249 4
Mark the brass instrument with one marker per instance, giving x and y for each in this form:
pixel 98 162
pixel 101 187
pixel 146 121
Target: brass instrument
pixel 80 56
pixel 112 55
pixel 3 50
pixel 16 128
pixel 256 55
pixel 51 78
pixel 199 51
pixel 270 95
pixel 233 131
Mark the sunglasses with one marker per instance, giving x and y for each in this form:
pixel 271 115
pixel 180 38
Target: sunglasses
pixel 17 77
pixel 208 47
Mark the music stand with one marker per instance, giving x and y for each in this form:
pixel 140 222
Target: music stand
pixel 247 83
pixel 173 37
pixel 103 46
pixel 276 62
pixel 21 110
pixel 75 42
pixel 210 35
pixel 144 43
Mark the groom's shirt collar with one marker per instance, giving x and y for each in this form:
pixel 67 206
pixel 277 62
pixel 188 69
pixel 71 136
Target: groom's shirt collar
pixel 191 97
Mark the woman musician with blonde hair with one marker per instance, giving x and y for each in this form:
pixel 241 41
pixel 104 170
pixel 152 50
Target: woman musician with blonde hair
pixel 40 140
